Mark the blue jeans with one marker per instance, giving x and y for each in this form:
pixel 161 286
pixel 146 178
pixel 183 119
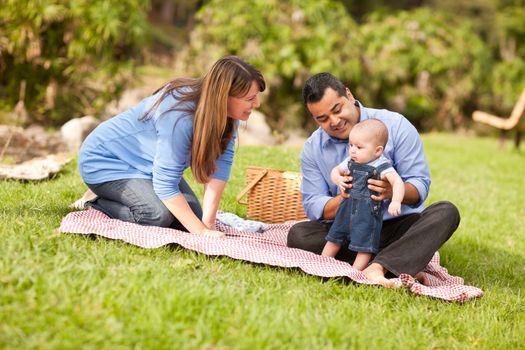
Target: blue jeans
pixel 134 200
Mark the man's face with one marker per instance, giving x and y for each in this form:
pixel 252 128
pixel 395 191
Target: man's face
pixel 335 114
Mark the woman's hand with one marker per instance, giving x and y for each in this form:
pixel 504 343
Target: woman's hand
pixel 210 223
pixel 211 233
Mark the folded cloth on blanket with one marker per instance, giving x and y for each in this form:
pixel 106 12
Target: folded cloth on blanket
pixel 239 223
pixel 268 248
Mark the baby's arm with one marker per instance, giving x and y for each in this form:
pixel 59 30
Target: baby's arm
pixel 338 179
pixel 398 192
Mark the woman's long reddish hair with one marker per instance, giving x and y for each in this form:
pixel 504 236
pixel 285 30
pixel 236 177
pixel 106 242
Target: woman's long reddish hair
pixel 212 128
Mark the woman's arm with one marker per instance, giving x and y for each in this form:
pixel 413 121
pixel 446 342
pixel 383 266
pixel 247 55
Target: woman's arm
pixel 179 207
pixel 210 203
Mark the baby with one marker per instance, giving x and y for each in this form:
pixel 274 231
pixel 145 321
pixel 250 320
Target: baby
pixel 359 219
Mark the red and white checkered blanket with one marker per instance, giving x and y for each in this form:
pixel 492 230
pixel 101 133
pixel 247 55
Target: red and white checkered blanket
pixel 266 248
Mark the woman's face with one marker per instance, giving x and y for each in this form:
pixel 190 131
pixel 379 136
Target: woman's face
pixel 240 108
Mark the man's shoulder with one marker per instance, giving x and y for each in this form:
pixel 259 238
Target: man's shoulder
pixel 315 139
pixel 394 121
pixel 385 115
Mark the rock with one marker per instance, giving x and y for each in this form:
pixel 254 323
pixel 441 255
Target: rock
pixel 35 169
pixel 255 131
pixel 75 131
pixel 18 144
pixel 128 99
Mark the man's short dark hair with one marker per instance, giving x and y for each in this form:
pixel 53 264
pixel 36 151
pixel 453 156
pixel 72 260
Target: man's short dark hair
pixel 313 90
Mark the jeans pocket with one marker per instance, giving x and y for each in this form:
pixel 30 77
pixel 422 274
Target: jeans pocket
pixel 375 207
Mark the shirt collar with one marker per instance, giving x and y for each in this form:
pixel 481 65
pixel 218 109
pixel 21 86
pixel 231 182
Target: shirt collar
pixel 326 139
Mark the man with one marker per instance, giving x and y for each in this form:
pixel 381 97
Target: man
pixel 409 241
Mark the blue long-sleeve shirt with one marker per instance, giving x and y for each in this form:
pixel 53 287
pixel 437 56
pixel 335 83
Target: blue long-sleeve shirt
pixel 321 153
pixel 159 148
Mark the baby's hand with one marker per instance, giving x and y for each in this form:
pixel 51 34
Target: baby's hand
pixel 394 208
pixel 212 233
pixel 341 179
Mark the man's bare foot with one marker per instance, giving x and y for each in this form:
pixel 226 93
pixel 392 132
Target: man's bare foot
pixel 376 273
pixel 420 276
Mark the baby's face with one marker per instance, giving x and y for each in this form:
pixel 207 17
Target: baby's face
pixel 363 148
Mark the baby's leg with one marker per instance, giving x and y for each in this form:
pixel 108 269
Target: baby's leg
pixel 331 249
pixel 361 260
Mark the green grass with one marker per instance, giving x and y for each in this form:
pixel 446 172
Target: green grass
pixel 69 292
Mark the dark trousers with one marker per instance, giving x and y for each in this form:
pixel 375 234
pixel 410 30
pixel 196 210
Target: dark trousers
pixel 407 243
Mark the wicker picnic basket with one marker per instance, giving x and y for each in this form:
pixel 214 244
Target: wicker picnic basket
pixel 273 195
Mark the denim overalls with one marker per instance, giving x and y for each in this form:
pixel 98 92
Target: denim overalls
pixel 359 219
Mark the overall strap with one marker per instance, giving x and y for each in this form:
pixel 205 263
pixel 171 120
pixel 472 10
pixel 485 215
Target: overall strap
pixel 383 167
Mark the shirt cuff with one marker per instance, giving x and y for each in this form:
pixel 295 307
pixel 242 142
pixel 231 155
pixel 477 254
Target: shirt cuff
pixel 315 211
pixel 421 189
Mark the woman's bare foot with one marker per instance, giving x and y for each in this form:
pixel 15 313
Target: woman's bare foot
pixel 376 273
pixel 81 202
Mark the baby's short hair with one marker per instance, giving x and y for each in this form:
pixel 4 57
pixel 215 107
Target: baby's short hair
pixel 376 128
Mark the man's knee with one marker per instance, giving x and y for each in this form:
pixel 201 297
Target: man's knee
pixel 446 214
pixel 295 238
pixel 449 212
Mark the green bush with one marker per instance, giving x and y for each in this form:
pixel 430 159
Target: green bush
pixel 423 64
pixel 287 40
pixel 507 78
pixel 71 54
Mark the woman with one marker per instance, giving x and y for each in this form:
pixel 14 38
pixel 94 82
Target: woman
pixel 134 161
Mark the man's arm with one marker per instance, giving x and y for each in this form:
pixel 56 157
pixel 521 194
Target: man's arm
pixel 330 208
pixel 410 163
pixel 314 187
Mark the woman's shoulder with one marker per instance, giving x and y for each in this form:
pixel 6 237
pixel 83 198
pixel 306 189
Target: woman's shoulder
pixel 172 104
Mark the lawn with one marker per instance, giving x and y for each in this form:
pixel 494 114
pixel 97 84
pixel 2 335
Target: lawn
pixel 70 292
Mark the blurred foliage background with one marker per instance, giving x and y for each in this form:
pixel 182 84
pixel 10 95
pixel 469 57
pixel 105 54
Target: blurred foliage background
pixel 434 61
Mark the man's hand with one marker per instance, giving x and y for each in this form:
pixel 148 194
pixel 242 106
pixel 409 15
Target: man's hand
pixel 382 187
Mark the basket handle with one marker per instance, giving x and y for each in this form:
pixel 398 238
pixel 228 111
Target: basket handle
pixel 250 186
